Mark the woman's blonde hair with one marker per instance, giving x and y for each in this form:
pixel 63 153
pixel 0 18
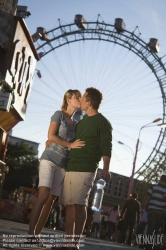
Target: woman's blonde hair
pixel 69 95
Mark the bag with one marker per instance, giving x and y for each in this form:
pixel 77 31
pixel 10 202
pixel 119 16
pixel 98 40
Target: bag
pixel 120 225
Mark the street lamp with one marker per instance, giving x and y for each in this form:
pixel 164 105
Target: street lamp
pixel 126 146
pixel 158 120
pixel 132 154
pixel 136 151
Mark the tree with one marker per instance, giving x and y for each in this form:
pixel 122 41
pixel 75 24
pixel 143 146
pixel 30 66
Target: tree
pixel 152 173
pixel 23 166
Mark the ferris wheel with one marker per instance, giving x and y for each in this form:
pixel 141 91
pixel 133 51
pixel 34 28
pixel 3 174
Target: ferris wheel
pixel 143 54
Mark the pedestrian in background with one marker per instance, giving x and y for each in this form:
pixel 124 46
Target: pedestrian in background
pixel 156 200
pixel 131 210
pixel 27 210
pixel 114 214
pixel 96 226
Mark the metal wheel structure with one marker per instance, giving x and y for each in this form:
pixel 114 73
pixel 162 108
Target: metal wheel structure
pixel 99 30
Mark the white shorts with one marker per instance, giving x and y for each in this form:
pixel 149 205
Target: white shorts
pixel 51 176
pixel 77 187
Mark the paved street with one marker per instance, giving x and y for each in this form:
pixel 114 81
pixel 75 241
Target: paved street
pixel 18 230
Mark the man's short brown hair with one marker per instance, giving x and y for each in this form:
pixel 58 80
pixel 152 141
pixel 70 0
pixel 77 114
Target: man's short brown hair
pixel 134 195
pixel 94 96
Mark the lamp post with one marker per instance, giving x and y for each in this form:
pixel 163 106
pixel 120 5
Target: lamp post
pixel 136 151
pixel 133 163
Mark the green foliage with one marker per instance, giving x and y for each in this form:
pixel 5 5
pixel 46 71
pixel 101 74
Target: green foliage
pixel 23 166
pixel 152 173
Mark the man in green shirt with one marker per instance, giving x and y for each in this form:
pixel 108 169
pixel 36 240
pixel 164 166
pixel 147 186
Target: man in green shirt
pixel 82 166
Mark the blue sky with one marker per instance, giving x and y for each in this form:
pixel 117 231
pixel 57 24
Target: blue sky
pixel 132 97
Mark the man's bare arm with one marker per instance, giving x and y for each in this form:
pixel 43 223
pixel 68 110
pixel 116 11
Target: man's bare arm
pixel 105 171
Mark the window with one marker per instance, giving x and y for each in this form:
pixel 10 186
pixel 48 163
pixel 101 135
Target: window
pixel 126 189
pixel 108 186
pixel 118 186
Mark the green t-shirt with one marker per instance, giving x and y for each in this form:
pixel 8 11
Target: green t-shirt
pixel 96 131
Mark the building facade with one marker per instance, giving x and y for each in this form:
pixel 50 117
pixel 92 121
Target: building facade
pixel 13 140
